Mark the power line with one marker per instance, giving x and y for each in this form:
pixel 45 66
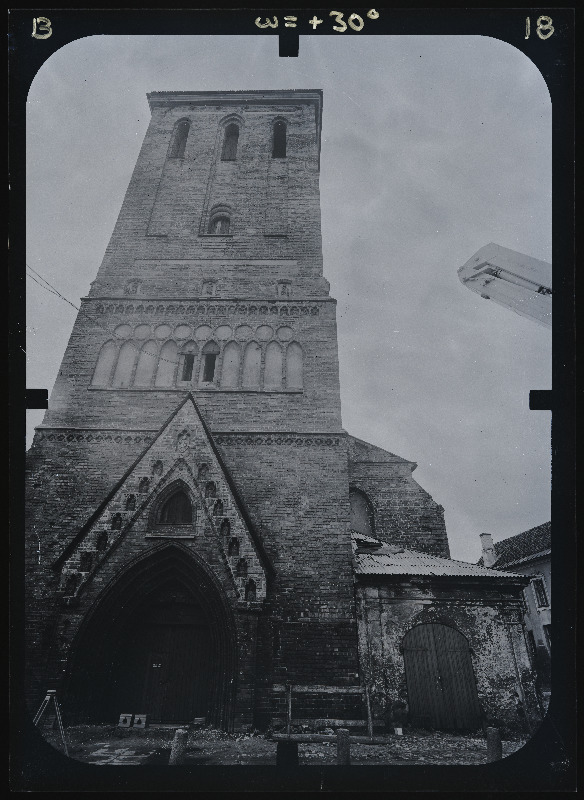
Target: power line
pixel 57 293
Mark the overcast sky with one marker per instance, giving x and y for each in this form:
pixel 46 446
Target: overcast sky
pixel 431 148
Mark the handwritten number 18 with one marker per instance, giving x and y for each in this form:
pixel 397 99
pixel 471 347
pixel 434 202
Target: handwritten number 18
pixel 544 27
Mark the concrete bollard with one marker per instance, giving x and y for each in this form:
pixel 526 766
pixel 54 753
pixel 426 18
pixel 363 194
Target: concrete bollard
pixel 343 746
pixel 179 745
pixel 494 746
pixel 287 754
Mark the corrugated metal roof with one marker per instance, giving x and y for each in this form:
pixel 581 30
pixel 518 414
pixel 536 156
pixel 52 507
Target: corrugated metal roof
pixel 531 543
pixel 383 559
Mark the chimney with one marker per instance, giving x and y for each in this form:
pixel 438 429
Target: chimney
pixel 489 556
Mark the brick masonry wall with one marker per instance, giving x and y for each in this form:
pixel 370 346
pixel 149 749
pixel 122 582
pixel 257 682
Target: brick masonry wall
pixel 404 513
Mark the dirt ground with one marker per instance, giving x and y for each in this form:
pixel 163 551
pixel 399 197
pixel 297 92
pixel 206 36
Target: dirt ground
pixel 103 744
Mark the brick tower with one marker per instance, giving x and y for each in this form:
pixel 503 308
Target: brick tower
pixel 188 495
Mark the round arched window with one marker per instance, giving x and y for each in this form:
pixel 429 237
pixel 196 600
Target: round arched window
pixel 220 224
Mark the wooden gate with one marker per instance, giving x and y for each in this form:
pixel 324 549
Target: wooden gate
pixel 442 690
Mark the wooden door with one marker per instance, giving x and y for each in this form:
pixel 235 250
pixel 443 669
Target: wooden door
pixel 441 684
pixel 175 648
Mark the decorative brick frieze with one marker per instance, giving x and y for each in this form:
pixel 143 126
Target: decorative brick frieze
pixel 205 307
pixel 225 438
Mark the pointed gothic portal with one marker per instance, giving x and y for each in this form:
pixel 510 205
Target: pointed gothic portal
pixel 160 642
pixel 442 690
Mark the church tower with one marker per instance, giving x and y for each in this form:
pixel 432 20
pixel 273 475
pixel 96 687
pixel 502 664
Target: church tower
pixel 189 493
pixel 201 531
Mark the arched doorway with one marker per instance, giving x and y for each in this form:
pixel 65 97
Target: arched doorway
pixel 442 691
pixel 161 641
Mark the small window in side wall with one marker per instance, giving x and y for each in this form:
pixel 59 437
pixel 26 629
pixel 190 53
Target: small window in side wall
pixel 230 140
pixel 279 140
pixel 362 517
pixel 540 593
pixel 179 141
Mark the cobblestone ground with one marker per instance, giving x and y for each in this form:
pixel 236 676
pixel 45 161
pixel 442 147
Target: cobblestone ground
pixel 95 744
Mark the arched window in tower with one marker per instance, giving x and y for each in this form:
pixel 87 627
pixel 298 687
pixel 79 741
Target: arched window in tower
pixel 144 485
pixel 251 366
pixel 210 489
pixel 220 224
pixel 230 368
pixel 233 549
pixel 179 139
pixel 279 140
pixel 219 221
pixel 273 366
pixel 230 140
pixel 101 541
pixel 294 378
pixel 177 510
pixel 147 362
pixel 167 364
pixel 125 366
pixel 105 364
pixel 209 362
pixel 362 517
pixel 250 590
pixel 218 508
pixel 116 522
pixel 186 363
pixel 131 502
pixel 225 528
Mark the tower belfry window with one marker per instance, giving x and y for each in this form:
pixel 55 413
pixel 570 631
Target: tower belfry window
pixel 220 224
pixel 279 140
pixel 179 142
pixel 229 152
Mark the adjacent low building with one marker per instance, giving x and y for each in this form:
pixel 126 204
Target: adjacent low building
pixel 444 637
pixel 529 554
